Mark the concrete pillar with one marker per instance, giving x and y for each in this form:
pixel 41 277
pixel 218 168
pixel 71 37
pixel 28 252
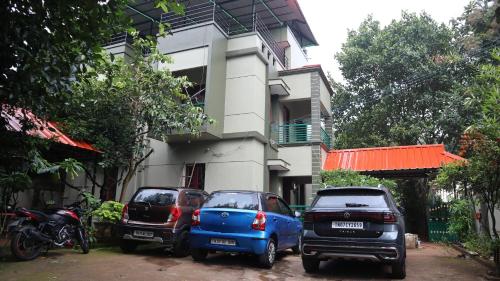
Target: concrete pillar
pixel 315 137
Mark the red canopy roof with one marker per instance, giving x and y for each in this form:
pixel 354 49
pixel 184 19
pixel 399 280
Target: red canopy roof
pixel 45 130
pixel 391 158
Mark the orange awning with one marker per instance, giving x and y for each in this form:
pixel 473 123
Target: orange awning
pixel 393 158
pixel 45 130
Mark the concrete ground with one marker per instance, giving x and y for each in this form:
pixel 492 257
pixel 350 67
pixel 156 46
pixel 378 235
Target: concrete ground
pixel 432 262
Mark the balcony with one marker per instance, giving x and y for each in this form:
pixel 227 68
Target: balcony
pixel 291 134
pixel 325 138
pixel 230 25
pixel 297 134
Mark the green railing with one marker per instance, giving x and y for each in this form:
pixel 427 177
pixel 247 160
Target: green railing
pixel 291 133
pixel 325 138
pixel 199 104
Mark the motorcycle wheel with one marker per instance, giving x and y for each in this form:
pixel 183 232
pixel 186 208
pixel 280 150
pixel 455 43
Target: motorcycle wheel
pixel 83 240
pixel 24 248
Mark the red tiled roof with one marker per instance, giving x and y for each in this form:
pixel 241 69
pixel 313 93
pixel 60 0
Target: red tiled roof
pixel 47 130
pixel 390 158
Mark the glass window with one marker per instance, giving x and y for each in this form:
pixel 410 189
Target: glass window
pixel 352 199
pixel 272 205
pixel 157 197
pixel 233 200
pixel 285 210
pixel 194 199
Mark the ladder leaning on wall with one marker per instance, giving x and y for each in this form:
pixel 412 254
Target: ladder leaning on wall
pixel 184 176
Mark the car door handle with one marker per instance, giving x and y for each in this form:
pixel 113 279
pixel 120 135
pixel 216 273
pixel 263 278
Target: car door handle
pixel 275 219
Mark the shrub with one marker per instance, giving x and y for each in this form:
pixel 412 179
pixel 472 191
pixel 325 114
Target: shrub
pixel 351 178
pixel 479 244
pixel 461 220
pixel 109 211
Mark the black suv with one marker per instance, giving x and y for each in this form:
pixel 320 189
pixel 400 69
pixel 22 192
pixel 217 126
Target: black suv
pixel 360 223
pixel 161 215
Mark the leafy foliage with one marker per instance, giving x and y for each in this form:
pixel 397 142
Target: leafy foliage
pixel 89 204
pixel 479 244
pixel 44 45
pixel 478 28
pixel 351 178
pixel 109 211
pixel 402 85
pixel 119 104
pixel 461 221
pixel 480 143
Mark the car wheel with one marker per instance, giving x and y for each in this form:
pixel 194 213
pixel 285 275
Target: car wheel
pixel 310 264
pixel 268 257
pixel 199 254
pixel 297 249
pixel 399 270
pixel 128 246
pixel 181 246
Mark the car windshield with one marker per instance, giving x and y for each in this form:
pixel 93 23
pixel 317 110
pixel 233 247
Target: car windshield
pixel 157 197
pixel 233 200
pixel 352 199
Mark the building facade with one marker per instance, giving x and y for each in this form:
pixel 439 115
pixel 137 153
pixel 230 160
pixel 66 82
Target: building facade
pixel 272 111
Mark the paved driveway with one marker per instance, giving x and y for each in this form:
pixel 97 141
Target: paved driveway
pixel 432 262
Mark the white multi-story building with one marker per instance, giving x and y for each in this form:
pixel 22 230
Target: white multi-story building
pixel 272 111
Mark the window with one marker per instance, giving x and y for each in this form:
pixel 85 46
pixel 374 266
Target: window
pixel 352 199
pixel 285 210
pixel 272 205
pixel 233 200
pixel 156 197
pixel 195 176
pixel 194 199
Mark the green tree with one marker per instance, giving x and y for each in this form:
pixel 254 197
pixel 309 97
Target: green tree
pixel 480 144
pixel 478 28
pixel 45 43
pixel 117 105
pixel 402 85
pixel 341 178
pixel 43 46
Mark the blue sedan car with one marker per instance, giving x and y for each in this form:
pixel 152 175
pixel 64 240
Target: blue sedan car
pixel 253 222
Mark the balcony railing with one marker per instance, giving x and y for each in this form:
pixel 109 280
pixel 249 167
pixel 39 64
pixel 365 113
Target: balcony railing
pixel 292 133
pixel 211 12
pixel 122 37
pixel 325 138
pixel 297 134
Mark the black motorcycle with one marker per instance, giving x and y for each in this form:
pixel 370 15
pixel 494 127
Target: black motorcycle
pixel 34 231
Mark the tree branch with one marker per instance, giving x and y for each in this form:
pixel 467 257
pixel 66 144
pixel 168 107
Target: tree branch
pixel 92 179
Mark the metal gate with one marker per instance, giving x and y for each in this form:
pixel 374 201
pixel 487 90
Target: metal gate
pixel 439 215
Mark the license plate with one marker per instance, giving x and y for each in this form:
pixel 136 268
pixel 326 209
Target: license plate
pixel 227 242
pixel 140 233
pixel 347 224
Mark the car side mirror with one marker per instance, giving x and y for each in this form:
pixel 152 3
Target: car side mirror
pixel 297 214
pixel 401 210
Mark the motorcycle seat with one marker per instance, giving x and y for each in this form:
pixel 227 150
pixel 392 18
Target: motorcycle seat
pixel 40 216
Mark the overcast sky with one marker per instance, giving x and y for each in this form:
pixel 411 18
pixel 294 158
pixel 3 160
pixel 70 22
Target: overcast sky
pixel 330 20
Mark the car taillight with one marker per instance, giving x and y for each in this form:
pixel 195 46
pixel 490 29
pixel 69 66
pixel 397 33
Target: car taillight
pixel 389 218
pixel 196 218
pixel 259 223
pixel 175 214
pixel 125 213
pixel 308 217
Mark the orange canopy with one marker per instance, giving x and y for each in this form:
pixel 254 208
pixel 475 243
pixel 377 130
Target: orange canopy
pixel 391 158
pixel 45 130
